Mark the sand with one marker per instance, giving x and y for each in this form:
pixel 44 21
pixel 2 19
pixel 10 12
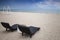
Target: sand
pixel 49 24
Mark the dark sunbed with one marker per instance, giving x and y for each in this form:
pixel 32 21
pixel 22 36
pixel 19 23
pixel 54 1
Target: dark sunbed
pixel 31 30
pixel 8 27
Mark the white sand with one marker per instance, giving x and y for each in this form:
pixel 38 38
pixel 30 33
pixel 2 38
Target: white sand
pixel 49 24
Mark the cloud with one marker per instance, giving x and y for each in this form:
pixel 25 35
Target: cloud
pixel 48 4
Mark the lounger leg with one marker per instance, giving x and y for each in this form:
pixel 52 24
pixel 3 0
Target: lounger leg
pixel 22 33
pixel 30 36
pixel 6 29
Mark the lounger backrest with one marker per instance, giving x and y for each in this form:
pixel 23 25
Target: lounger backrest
pixel 24 29
pixel 6 25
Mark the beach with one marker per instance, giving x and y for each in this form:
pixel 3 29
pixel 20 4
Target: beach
pixel 49 24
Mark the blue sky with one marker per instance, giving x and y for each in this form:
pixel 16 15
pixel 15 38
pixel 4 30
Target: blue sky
pixel 48 6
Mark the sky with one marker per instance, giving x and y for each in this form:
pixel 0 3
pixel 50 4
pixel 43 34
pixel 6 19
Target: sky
pixel 45 6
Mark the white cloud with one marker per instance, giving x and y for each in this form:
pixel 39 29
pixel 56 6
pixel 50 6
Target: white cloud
pixel 48 4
